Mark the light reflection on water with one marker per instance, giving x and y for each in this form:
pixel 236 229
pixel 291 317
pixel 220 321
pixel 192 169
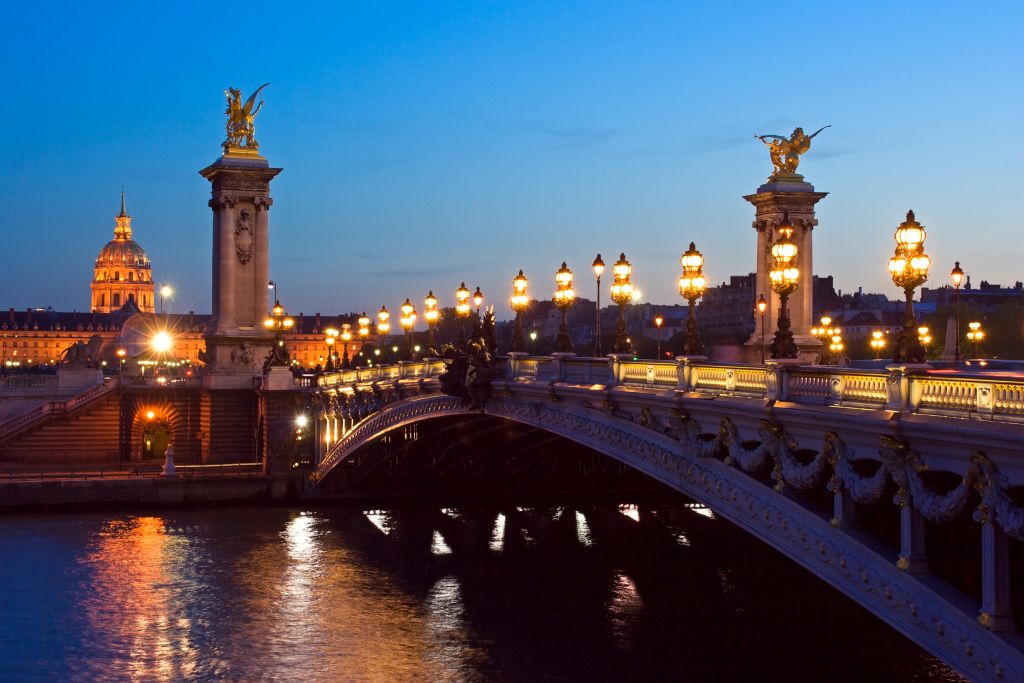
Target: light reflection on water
pixel 525 594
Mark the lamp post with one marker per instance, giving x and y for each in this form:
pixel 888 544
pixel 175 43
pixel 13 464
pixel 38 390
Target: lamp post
pixel 407 321
pixel 784 278
pixel 825 332
pixel 564 296
pixel 279 323
pixel 909 270
pixel 691 287
pixel 383 325
pixel 332 337
pixel 658 321
pixel 533 342
pixel 166 291
pixel 364 331
pixel 877 342
pixel 762 306
pixel 430 316
pixel 598 266
pixel 346 337
pixel 622 294
pixel 974 335
pixel 273 285
pixel 957 275
pixel 462 310
pixel 519 302
pixel 121 353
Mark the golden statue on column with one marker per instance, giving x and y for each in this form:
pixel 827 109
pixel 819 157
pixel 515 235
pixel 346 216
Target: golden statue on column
pixel 241 125
pixel 785 152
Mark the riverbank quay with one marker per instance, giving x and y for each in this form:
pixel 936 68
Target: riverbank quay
pixel 54 492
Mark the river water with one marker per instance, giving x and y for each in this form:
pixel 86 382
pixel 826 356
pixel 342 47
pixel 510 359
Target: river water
pixel 575 593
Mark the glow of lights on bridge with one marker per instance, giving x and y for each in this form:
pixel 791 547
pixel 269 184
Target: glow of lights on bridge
pixel 631 511
pixel 380 520
pixel 702 510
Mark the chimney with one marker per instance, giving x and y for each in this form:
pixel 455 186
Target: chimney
pixel 317 326
pixel 10 315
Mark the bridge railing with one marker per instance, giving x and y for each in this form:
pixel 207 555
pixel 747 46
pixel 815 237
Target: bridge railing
pixel 900 388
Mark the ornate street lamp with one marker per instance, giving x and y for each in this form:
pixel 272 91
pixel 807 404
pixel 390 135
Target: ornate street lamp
pixel 383 325
pixel 519 302
pixel 598 266
pixel 346 337
pixel 825 332
pixel 761 307
pixel 462 311
pixel 564 297
pixel 278 323
pixel 909 270
pixel 430 316
pixel 407 321
pixel 332 337
pixel 478 300
pixel 691 287
pixel 784 279
pixel 622 294
pixel 957 275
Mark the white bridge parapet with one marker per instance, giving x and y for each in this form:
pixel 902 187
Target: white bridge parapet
pixel 745 439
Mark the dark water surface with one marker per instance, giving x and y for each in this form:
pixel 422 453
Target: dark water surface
pixel 579 593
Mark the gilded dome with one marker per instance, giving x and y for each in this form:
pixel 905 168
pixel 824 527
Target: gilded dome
pixel 122 251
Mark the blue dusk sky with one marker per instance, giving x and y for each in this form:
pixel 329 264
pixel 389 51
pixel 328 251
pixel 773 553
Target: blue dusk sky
pixel 427 143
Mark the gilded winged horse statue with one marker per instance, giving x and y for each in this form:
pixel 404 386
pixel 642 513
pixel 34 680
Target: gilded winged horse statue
pixel 241 125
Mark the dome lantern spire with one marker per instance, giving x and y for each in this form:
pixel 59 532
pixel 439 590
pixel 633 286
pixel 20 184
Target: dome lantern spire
pixel 122 223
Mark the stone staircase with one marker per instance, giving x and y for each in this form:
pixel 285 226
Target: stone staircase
pixel 83 428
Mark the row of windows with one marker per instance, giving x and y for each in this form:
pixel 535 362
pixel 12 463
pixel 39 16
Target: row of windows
pixel 115 299
pixel 117 277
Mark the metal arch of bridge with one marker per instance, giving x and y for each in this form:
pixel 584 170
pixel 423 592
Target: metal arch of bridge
pixel 627 423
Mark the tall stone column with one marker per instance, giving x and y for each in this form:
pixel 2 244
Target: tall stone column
pixel 237 343
pixel 770 202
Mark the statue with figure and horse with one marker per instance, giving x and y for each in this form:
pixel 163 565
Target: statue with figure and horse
pixel 83 354
pixel 241 124
pixel 785 152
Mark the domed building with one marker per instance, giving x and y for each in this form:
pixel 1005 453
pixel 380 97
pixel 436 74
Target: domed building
pixel 123 273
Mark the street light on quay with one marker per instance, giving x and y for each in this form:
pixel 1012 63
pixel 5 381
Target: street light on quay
pixel 598 267
pixel 407 321
pixel 974 335
pixel 877 342
pixel 622 294
pixel 478 300
pixel 658 322
pixel 564 297
pixel 692 284
pixel 519 301
pixel 462 310
pixel 784 278
pixel 825 332
pixel 909 269
pixel 761 307
pixel 430 316
pixel 957 276
pixel 272 284
pixel 166 292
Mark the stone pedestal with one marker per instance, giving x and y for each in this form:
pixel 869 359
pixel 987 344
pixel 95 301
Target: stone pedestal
pixel 72 380
pixel 786 193
pixel 237 343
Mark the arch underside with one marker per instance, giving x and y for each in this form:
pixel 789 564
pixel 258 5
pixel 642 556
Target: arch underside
pixel 939 622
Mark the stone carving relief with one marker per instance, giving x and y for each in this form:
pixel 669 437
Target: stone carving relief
pixel 244 237
pixel 243 356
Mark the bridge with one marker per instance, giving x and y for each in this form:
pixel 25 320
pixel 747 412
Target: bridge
pixel 848 472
